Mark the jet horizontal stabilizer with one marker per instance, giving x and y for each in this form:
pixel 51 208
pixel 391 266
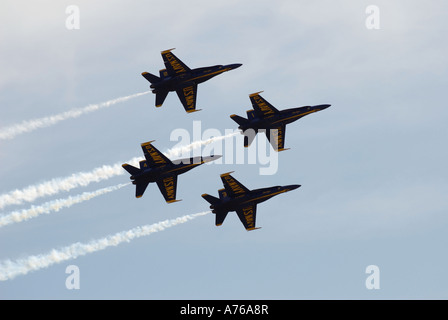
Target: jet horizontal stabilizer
pixel 211 199
pixel 131 169
pixel 150 77
pixel 240 120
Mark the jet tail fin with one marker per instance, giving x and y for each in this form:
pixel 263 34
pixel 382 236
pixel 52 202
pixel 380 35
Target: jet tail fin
pixel 160 97
pixel 150 77
pixel 220 217
pixel 238 119
pixel 131 169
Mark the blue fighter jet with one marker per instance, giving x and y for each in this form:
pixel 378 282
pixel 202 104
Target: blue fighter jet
pixel 265 116
pixel 178 77
pixel 236 197
pixel 158 168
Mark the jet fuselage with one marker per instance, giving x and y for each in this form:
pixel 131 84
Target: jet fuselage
pixel 281 118
pixel 255 196
pixel 152 174
pixel 195 76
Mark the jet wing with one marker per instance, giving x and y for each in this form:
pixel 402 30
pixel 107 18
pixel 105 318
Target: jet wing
pixel 187 96
pixel 247 216
pixel 140 189
pixel 261 106
pixel 173 64
pixel 276 137
pixel 233 187
pixel 153 156
pixel 168 188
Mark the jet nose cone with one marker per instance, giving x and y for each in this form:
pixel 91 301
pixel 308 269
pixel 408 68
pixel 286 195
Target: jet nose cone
pixel 293 187
pixel 324 106
pixel 234 66
pixel 212 158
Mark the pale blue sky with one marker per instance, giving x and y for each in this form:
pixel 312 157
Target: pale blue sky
pixel 372 166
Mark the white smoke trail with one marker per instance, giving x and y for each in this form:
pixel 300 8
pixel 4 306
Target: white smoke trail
pixel 54 205
pixel 198 144
pixel 82 179
pixel 56 185
pixel 10 269
pixel 31 125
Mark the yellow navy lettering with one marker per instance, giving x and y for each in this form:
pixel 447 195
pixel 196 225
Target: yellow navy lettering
pixel 168 183
pixel 236 188
pixel 189 95
pixel 174 63
pixel 277 134
pixel 248 213
pixel 262 105
pixel 154 154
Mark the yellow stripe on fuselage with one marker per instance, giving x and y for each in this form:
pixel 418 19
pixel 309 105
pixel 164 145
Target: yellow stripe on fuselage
pixel 295 116
pixel 190 165
pixel 265 196
pixel 209 74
